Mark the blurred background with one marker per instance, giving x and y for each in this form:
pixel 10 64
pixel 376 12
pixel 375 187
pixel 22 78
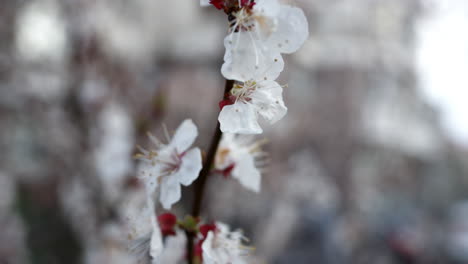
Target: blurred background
pixel 369 166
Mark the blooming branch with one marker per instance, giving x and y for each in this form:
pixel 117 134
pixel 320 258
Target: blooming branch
pixel 259 32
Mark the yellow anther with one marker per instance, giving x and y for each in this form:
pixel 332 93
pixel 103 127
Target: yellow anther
pixel 256 146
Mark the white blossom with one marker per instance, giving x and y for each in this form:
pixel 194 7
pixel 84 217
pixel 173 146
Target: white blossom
pixel 251 97
pixel 259 34
pixel 144 232
pixel 242 158
pixel 172 164
pixel 224 247
pixel 147 240
pixel 246 56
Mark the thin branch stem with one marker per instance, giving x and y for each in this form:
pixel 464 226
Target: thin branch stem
pixel 200 183
pixel 204 173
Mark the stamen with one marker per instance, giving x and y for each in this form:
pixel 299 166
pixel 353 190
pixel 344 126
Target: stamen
pixel 256 146
pixel 166 133
pixel 154 139
pixel 247 248
pixel 138 156
pixel 141 246
pixel 142 150
pixel 232 29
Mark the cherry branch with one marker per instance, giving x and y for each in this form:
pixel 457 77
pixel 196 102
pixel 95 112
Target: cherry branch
pixel 204 173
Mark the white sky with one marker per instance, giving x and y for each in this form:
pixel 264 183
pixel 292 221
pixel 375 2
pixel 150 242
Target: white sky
pixel 442 60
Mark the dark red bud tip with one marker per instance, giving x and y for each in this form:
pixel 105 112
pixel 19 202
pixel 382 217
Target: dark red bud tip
pixel 223 103
pixel 219 4
pixel 167 221
pixel 204 229
pixel 227 171
pixel 230 6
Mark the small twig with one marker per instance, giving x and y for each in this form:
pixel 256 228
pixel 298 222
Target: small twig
pixel 201 182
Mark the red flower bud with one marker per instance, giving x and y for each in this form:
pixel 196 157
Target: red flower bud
pixel 219 4
pixel 204 229
pixel 223 103
pixel 167 221
pixel 230 6
pixel 227 171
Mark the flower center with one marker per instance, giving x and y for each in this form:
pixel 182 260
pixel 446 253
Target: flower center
pixel 222 156
pixel 242 20
pixel 231 6
pixel 169 163
pixel 242 91
pixel 173 164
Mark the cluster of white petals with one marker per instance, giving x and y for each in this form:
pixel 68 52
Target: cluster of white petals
pixel 224 247
pixel 146 237
pixel 243 157
pixel 259 32
pixel 254 96
pixel 170 165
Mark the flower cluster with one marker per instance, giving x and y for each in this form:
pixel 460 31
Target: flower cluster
pixel 260 31
pixel 242 158
pixel 170 165
pixel 151 243
pixel 223 246
pixel 167 166
pixel 214 242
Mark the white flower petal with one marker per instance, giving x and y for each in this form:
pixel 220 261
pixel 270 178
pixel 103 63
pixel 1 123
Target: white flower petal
pixel 149 174
pixel 209 255
pixel 228 139
pixel 137 217
pixel 190 167
pixel 156 244
pixel 222 247
pixel 139 227
pixel 268 99
pixel 204 2
pixel 239 118
pixel 248 58
pixel 246 172
pixel 170 192
pixel 174 251
pixel 222 228
pixel 184 136
pixel 269 8
pixel 292 30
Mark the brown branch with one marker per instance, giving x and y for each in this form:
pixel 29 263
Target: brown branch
pixel 204 173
